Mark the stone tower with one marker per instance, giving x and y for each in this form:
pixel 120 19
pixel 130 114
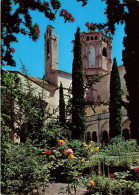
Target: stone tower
pixel 51 55
pixel 96 52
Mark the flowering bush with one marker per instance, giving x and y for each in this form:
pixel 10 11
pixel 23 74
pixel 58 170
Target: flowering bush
pixel 55 4
pixel 137 169
pixel 12 50
pixel 67 16
pixel 46 5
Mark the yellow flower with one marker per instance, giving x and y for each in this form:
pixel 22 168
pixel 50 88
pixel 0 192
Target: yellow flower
pixel 71 156
pixel 92 183
pixel 83 159
pixel 83 143
pixel 97 148
pixel 91 141
pixel 92 150
pixel 60 142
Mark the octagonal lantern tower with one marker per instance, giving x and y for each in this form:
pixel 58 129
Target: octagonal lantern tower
pixel 96 53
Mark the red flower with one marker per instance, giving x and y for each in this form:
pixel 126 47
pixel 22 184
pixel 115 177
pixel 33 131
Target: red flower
pixel 87 24
pixel 66 11
pixel 70 15
pixel 105 12
pixel 48 152
pixel 100 174
pixel 111 175
pixel 12 50
pixel 137 169
pixel 73 19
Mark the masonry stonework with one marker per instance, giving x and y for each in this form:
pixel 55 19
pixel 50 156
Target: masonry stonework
pixel 97 60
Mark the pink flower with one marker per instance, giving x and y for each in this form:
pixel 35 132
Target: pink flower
pixel 48 152
pixel 137 169
pixel 111 175
pixel 68 151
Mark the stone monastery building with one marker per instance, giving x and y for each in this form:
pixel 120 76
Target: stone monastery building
pixel 97 59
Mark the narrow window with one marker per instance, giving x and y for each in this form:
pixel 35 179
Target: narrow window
pixel 104 52
pixel 91 37
pixel 95 37
pixel 87 38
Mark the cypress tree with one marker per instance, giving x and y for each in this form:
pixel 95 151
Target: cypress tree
pixel 130 59
pixel 115 107
pixel 116 13
pixel 61 105
pixel 78 101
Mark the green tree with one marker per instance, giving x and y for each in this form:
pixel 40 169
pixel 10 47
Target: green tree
pixel 115 107
pixel 78 101
pixel 127 12
pixel 16 19
pixel 62 119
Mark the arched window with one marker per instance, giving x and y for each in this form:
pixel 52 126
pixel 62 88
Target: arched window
pixel 88 137
pixel 126 134
pixel 104 52
pixel 92 57
pixel 105 137
pixel 94 136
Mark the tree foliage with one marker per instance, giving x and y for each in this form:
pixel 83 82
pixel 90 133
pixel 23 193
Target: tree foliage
pixel 16 18
pixel 130 53
pixel 78 101
pixel 115 107
pixel 126 11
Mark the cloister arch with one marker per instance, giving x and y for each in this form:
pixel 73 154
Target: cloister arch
pixel 126 129
pixel 91 133
pixel 105 132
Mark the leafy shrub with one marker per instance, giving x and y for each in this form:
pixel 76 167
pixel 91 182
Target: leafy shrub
pixel 24 166
pixel 51 133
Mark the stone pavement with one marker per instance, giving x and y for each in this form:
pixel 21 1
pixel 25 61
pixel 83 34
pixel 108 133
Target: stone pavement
pixel 61 189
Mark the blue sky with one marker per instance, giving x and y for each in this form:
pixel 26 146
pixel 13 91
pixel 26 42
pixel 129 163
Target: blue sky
pixel 32 53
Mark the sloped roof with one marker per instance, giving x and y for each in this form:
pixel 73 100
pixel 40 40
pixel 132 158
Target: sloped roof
pixel 38 81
